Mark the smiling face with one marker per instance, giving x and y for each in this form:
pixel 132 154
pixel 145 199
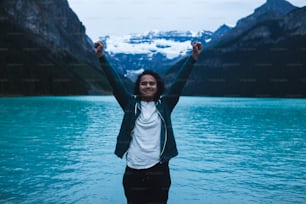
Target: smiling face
pixel 147 87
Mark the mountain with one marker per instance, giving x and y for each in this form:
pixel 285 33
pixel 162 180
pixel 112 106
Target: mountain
pixel 221 31
pixel 272 9
pixel 45 51
pixel 155 50
pixel 264 55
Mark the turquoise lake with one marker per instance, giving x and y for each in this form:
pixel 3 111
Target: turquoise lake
pixel 231 150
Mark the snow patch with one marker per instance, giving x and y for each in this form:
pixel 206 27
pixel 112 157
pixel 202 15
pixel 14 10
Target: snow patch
pixel 170 48
pixel 133 74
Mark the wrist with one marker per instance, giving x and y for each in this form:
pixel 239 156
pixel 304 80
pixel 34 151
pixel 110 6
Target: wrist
pixel 194 57
pixel 100 54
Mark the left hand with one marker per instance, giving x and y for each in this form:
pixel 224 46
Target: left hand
pixel 99 48
pixel 196 49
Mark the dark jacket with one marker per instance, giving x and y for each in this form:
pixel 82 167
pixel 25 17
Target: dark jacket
pixel 131 107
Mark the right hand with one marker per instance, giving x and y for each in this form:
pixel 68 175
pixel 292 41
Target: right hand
pixel 196 49
pixel 99 48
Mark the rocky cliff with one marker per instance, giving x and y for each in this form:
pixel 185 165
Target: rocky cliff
pixel 265 58
pixel 272 9
pixel 45 50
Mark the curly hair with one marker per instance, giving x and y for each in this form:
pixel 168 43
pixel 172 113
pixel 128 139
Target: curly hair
pixel 159 81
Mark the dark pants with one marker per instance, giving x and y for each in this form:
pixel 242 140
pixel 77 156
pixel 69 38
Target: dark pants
pixel 147 185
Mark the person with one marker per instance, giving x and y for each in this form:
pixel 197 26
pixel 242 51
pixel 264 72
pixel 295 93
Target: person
pixel 146 135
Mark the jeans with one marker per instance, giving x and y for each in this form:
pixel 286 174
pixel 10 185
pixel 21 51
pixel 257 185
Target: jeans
pixel 146 186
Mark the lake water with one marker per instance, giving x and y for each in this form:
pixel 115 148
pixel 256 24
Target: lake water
pixel 231 150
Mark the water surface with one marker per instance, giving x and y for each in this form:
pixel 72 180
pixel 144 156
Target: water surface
pixel 231 150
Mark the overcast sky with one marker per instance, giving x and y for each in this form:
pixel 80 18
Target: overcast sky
pixel 120 17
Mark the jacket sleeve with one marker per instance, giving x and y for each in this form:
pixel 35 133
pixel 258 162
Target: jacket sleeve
pixel 174 92
pixel 119 91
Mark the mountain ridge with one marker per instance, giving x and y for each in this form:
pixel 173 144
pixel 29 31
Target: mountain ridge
pixel 156 50
pixel 45 51
pixel 265 60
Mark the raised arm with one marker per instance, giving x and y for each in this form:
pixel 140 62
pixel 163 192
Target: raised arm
pixel 174 92
pixel 119 91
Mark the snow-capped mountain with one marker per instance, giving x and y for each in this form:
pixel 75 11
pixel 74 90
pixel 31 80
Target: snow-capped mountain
pixel 131 54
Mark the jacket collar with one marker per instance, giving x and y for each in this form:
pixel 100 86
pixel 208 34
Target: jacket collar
pixel 138 104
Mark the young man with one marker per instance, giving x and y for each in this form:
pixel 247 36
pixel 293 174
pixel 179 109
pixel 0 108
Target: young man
pixel 146 134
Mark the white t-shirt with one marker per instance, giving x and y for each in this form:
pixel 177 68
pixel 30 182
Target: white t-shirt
pixel 144 150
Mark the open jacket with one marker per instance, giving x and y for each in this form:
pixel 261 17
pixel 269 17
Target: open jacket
pixel 130 104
